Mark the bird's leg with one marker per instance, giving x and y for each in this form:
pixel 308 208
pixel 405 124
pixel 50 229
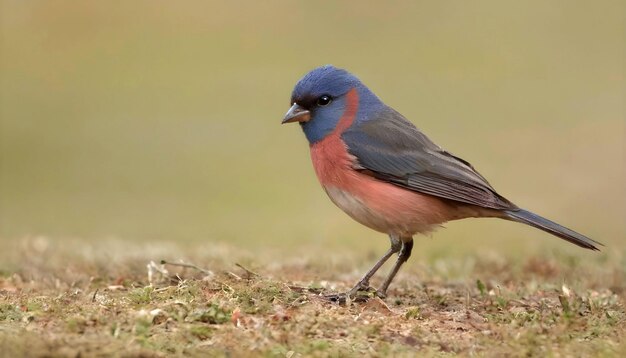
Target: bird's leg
pixel 403 256
pixel 363 284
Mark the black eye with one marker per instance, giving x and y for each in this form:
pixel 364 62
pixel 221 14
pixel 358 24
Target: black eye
pixel 324 100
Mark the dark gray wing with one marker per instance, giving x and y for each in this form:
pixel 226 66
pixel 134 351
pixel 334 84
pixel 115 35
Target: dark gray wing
pixel 394 150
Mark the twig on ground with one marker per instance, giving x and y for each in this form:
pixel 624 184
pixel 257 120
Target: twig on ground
pixel 192 266
pixel 152 267
pixel 314 290
pixel 249 272
pixel 234 275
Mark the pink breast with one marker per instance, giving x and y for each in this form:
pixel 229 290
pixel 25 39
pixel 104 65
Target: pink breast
pixel 379 205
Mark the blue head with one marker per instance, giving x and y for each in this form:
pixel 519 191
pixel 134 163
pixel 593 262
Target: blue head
pixel 319 101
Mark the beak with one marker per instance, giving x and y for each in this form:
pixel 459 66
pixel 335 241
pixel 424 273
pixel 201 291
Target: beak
pixel 296 114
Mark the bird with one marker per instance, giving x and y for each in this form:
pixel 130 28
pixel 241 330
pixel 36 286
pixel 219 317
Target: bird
pixel 382 171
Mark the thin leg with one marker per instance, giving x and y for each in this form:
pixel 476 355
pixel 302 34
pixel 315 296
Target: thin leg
pixel 363 284
pixel 403 256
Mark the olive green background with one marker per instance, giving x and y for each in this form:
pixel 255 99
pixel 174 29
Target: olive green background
pixel 160 121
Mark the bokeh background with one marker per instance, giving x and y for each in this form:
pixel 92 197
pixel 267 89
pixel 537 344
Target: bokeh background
pixel 159 121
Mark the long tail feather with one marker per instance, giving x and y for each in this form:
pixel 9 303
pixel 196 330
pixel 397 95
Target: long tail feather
pixel 534 220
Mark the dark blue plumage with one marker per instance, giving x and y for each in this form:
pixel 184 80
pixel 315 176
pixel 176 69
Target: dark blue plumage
pixel 334 82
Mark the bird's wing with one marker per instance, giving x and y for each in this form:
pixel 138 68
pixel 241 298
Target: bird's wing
pixel 392 149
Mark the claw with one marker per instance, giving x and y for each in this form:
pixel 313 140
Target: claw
pixel 360 293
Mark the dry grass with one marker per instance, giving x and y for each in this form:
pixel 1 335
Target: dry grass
pixel 56 302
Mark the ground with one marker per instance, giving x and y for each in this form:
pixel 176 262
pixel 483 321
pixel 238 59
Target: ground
pixel 80 302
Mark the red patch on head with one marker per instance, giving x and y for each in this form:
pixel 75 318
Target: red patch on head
pixel 352 106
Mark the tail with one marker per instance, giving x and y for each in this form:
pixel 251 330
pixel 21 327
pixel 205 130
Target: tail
pixel 534 220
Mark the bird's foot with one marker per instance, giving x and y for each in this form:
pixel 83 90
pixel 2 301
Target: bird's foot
pixel 360 293
pixel 345 297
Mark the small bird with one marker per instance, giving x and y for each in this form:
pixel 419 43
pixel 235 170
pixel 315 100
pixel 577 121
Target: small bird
pixel 389 176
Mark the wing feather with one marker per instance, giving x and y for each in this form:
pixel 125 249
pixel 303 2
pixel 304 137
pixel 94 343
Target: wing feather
pixel 394 150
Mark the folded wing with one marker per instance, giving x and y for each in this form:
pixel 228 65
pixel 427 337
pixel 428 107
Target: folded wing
pixel 392 149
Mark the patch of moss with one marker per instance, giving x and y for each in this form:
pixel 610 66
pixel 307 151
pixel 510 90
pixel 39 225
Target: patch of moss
pixel 141 296
pixel 10 312
pixel 201 332
pixel 212 313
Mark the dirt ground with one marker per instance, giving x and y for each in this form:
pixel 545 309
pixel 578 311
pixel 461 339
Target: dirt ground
pixel 87 301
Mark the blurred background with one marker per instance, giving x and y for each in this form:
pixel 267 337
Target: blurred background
pixel 159 121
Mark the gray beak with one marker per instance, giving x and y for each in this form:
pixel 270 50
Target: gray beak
pixel 296 114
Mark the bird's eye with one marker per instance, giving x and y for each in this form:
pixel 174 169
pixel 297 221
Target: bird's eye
pixel 324 100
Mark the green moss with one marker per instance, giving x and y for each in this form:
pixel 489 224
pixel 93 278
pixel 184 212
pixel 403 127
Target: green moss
pixel 212 313
pixel 201 332
pixel 10 312
pixel 412 313
pixel 141 296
